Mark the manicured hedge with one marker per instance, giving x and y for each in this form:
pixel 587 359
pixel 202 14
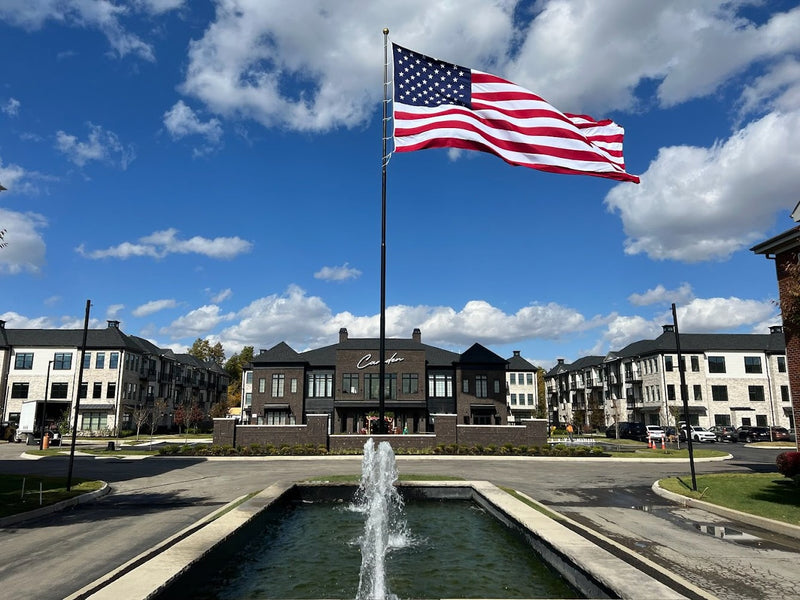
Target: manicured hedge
pixel 788 464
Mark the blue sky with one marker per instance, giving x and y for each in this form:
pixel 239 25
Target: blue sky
pixel 212 169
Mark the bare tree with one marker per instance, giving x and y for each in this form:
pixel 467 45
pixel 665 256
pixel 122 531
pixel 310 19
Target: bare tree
pixel 159 409
pixel 141 414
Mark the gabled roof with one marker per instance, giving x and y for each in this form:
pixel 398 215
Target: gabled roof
pixel 279 353
pixel 478 354
pixel 517 363
pixel 107 338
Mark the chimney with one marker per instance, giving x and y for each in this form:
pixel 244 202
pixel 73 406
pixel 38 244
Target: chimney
pixel 516 352
pixel 416 335
pixel 561 361
pixel 342 335
pixel 114 324
pixel 262 350
pixel 2 324
pixel 668 328
pixel 773 329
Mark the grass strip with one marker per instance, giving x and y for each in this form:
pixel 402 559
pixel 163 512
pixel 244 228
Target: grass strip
pixel 353 478
pixel 767 495
pixel 20 493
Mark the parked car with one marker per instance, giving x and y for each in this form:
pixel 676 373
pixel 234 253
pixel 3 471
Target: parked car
pixel 724 433
pixel 655 432
pixel 7 431
pixel 628 431
pixel 780 434
pixel 751 434
pixel 699 434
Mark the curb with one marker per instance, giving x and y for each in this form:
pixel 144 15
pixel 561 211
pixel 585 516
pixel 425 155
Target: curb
pixel 779 527
pixel 52 508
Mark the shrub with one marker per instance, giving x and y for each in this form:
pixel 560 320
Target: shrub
pixel 788 464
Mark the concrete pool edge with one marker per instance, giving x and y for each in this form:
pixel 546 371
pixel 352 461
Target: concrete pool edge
pixel 592 570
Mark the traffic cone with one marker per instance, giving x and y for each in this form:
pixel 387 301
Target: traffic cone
pixel 664 443
pixel 650 443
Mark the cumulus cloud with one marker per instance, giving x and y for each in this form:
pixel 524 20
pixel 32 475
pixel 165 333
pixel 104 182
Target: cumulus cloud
pixel 25 251
pixel 197 323
pixel 101 145
pixel 154 306
pixel 661 295
pixel 162 243
pixel 113 310
pixel 11 108
pixel 182 121
pixel 220 296
pixel 341 273
pixel 698 204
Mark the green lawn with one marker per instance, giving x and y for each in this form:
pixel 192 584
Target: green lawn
pixel 18 496
pixel 669 453
pixel 767 495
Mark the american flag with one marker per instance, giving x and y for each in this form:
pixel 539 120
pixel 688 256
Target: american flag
pixel 439 104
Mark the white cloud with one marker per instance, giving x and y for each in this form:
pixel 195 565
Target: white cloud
pixel 244 59
pixel 341 273
pixel 158 7
pixel 103 15
pixel 197 323
pixel 154 306
pixel 181 121
pixel 220 296
pixel 18 180
pixel 698 204
pixel 11 108
pixel 101 145
pixel 113 310
pixel 26 247
pixel 777 90
pixel 161 243
pixel 661 295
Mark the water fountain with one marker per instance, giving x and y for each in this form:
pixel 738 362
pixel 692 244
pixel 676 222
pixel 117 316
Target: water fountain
pixel 384 526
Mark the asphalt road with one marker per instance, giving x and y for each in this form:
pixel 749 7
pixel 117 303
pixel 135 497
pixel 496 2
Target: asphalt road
pixel 151 499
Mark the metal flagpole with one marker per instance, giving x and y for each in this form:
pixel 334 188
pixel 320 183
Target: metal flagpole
pixel 78 395
pixel 384 160
pixel 684 398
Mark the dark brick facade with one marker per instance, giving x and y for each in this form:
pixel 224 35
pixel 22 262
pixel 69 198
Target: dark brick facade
pixel 791 331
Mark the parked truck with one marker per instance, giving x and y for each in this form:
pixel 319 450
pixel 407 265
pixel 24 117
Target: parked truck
pixel 26 432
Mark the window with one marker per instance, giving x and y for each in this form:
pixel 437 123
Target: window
pixel 497 386
pixel 113 360
pixel 278 417
pixel 111 389
pixel 87 360
pixel 752 364
pixel 785 394
pixel 23 360
pixel 668 363
pixel 440 385
pixel 719 393
pixel 83 390
pixel 722 420
pixel 62 361
pixel 277 385
pixel 248 399
pixel 19 390
pixel 716 364
pixel 761 420
pixel 698 392
pixel 350 383
pixel 756 393
pixel 97 389
pixel 671 392
pixel 465 385
pixel 530 399
pixel 320 385
pixel 58 390
pixel 293 385
pixel 781 364
pixel 93 421
pixel 100 361
pixel 512 379
pixel 372 386
pixel 410 383
pixel 695 364
pixel 481 386
pixel 248 378
pixel 529 378
pixel 513 398
pixel 262 385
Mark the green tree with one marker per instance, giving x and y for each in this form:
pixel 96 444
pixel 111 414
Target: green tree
pixel 234 368
pixel 203 350
pixel 541 408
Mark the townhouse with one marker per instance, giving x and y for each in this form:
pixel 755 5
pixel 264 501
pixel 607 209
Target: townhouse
pixel 121 374
pixel 522 383
pixel 731 379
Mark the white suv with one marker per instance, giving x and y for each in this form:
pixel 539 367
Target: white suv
pixel 655 432
pixel 700 434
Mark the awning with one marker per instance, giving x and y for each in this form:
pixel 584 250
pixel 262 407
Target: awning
pixel 742 408
pixel 103 406
pixel 483 408
pixel 269 407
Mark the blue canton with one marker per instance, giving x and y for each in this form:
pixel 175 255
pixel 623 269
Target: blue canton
pixel 420 80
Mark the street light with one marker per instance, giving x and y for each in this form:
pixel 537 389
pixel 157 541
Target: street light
pixel 44 407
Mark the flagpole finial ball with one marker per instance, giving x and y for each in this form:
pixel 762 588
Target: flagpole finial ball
pixel 385 31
